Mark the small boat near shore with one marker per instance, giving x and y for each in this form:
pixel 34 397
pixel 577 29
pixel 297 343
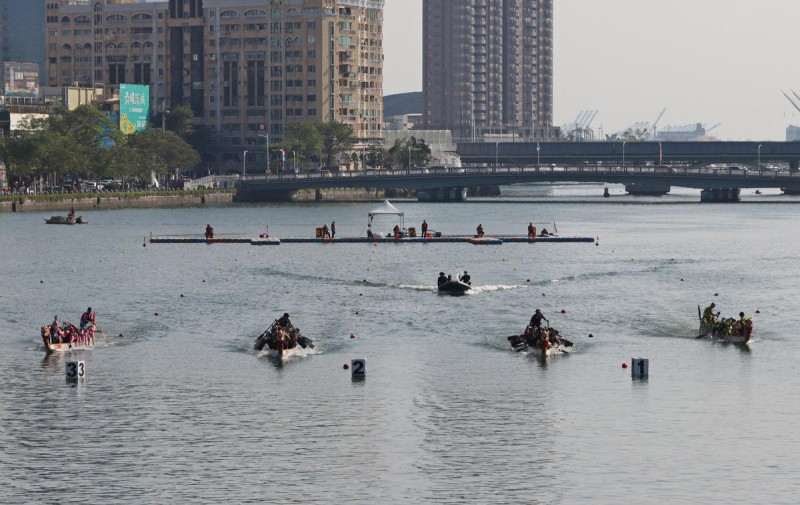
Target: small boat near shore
pixel 72 338
pixel 64 220
pixel 454 287
pixel 539 341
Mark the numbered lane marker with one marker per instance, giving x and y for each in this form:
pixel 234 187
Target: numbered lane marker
pixel 359 366
pixel 75 370
pixel 640 368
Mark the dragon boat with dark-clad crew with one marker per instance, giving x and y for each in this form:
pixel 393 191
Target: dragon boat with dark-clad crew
pixel 282 341
pixel 540 341
pixel 69 219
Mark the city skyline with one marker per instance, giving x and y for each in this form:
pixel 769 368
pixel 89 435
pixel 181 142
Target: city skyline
pixel 637 57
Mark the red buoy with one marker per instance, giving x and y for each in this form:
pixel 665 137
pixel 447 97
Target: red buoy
pixel 527 280
pixel 563 311
pixel 204 280
pixel 716 294
pixel 624 365
pixel 544 294
pixel 681 280
pixel 591 335
pixel 758 312
pixel 352 336
pixel 41 282
pixel 182 295
pixel 346 366
pixel 156 314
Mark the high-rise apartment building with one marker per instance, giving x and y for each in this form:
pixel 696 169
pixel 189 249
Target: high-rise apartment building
pixel 247 68
pixel 488 67
pixel 22 32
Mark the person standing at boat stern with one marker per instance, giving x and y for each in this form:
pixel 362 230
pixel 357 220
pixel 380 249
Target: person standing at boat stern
pixel 87 317
pixel 536 319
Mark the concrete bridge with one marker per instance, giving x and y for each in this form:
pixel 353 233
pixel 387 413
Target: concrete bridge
pixel 633 164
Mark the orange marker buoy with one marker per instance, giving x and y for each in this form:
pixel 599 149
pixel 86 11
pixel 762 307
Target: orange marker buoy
pixel 624 365
pixel 346 366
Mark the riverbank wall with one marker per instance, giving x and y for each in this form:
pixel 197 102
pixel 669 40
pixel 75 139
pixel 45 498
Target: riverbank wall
pixel 108 201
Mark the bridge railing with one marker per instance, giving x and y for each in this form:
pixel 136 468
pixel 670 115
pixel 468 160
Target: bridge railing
pixel 509 170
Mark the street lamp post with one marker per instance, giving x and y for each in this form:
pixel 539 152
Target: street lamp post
pixel 164 121
pixel 759 157
pixel 660 154
pixel 244 169
pixel 267 144
pixel 623 154
pixel 496 149
pixel 537 156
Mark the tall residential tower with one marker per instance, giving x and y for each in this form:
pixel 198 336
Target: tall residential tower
pixel 488 67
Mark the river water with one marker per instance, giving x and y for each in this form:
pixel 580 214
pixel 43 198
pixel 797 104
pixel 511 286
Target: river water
pixel 181 409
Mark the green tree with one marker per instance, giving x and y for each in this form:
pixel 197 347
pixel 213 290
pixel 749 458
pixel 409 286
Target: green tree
pixel 375 155
pixel 305 139
pixel 634 135
pixel 337 138
pixel 409 152
pixel 178 120
pixel 161 152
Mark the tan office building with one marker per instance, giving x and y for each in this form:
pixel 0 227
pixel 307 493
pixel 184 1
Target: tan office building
pixel 488 67
pixel 247 68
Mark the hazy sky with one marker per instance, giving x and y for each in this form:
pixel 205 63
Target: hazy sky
pixel 706 61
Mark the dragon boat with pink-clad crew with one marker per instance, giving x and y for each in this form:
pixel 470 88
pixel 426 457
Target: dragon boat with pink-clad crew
pixel 67 337
pixel 282 338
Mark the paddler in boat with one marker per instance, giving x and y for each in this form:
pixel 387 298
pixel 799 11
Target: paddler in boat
pixel 746 323
pixel 709 316
pixel 55 331
pixel 442 279
pixel 87 317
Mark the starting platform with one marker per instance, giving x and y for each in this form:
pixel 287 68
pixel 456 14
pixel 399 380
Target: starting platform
pixel 194 239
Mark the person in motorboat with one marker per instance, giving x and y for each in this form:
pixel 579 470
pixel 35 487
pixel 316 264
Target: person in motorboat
pixel 441 280
pixel 87 317
pixel 209 232
pixel 479 230
pixel 465 278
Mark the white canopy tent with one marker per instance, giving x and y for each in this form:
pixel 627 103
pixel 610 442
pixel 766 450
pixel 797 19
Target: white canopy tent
pixel 386 208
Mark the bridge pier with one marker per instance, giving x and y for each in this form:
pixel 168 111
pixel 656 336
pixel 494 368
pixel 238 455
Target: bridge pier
pixel 318 195
pixel 794 165
pixel 647 189
pixel 442 195
pixel 726 195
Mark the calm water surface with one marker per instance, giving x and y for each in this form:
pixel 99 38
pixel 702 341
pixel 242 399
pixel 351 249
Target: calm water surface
pixel 180 409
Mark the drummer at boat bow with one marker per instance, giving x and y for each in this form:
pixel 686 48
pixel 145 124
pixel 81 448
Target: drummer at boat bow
pixel 284 322
pixel 536 319
pixel 709 315
pixel 442 279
